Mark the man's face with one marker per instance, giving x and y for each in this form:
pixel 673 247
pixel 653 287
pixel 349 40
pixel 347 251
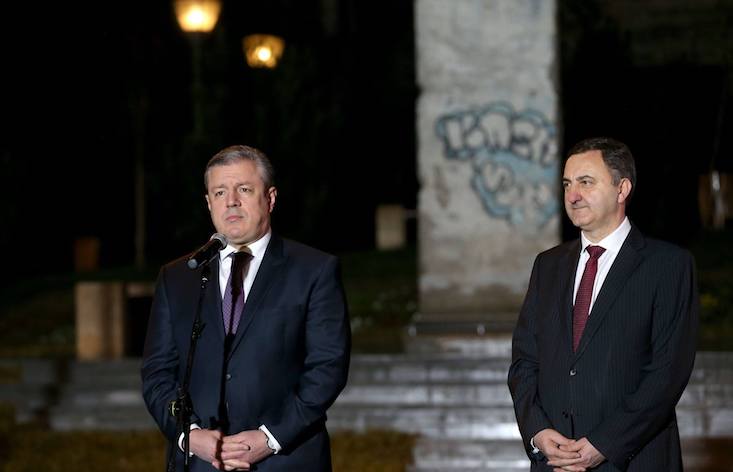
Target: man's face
pixel 592 201
pixel 238 201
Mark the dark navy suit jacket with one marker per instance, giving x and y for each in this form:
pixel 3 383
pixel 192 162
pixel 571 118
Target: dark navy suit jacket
pixel 284 368
pixel 634 359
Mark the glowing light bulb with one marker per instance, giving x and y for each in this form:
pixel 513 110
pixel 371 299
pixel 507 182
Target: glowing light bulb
pixel 196 17
pixel 264 53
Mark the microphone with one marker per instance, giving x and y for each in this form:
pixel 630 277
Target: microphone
pixel 208 251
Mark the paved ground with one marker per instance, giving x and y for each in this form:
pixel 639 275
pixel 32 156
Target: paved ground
pixel 708 454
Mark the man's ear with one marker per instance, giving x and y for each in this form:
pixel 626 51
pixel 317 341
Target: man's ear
pixel 624 190
pixel 271 197
pixel 208 203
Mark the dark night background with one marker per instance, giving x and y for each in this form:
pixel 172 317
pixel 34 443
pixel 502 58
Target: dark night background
pixel 89 87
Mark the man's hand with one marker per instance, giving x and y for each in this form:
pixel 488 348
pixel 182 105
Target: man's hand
pixel 552 444
pixel 241 450
pixel 589 455
pixel 205 444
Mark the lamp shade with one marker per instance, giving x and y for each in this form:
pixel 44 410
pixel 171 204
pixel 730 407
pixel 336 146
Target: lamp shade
pixel 263 50
pixel 197 16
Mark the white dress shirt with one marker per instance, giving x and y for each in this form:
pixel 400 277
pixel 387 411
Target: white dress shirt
pixel 257 249
pixel 612 244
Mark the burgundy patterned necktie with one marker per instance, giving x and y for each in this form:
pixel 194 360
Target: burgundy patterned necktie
pixel 585 294
pixel 233 302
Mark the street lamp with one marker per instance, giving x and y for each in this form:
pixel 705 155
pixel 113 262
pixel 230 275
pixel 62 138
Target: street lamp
pixel 197 17
pixel 263 50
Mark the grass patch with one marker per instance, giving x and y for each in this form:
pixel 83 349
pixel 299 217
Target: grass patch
pixel 381 289
pixel 42 325
pixel 10 374
pixel 713 253
pixel 374 451
pixel 35 449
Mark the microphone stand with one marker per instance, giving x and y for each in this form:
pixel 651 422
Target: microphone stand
pixel 181 408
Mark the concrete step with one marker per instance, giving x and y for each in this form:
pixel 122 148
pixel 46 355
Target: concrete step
pixel 30 402
pixel 363 369
pixel 435 394
pixel 485 394
pixel 713 370
pixel 493 422
pixel 101 418
pixel 468 421
pixel 115 372
pixel 36 386
pixel 480 344
pixel 80 398
pixel 464 456
pixel 440 389
pixel 428 420
pixel 35 371
pixel 707 394
pixel 705 422
pixel 426 368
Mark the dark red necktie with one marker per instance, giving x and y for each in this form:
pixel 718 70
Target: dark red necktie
pixel 585 294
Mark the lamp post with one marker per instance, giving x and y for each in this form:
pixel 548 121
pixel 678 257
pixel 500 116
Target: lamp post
pixel 197 17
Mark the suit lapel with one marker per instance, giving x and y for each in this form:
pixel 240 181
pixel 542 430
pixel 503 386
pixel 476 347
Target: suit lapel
pixel 623 266
pixel 269 271
pixel 211 310
pixel 568 266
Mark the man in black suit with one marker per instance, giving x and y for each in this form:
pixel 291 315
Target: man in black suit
pixel 273 354
pixel 605 341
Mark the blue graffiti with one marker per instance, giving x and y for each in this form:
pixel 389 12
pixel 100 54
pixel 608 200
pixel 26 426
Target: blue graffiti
pixel 513 156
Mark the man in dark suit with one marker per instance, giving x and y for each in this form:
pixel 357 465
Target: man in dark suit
pixel 605 341
pixel 273 354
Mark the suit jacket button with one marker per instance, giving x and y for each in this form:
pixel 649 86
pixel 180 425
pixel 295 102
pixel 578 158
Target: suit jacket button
pixel 573 372
pixel 229 376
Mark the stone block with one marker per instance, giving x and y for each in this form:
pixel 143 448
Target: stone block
pixel 390 227
pixel 487 156
pixel 86 254
pixel 100 323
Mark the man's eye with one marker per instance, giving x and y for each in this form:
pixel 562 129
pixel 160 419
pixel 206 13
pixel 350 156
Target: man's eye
pixel 245 189
pixel 218 193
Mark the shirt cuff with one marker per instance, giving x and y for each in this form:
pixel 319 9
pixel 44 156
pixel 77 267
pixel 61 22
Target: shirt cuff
pixel 271 441
pixel 535 449
pixel 180 438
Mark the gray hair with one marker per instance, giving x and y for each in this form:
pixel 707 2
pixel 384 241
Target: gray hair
pixel 238 153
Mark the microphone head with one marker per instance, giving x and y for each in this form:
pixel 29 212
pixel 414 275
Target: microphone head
pixel 217 242
pixel 221 238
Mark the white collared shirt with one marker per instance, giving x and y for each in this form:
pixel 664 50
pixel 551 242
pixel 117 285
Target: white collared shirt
pixel 612 244
pixel 225 263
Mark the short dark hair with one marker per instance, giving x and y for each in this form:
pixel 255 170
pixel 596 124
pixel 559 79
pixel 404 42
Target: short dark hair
pixel 616 155
pixel 237 153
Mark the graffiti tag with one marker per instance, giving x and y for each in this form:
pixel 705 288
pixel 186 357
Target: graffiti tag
pixel 513 156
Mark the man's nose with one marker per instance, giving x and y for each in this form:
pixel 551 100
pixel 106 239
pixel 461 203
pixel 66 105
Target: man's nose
pixel 233 199
pixel 572 195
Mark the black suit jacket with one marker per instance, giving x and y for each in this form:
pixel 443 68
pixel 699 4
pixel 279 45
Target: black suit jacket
pixel 634 359
pixel 286 365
